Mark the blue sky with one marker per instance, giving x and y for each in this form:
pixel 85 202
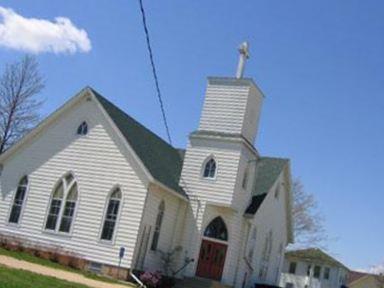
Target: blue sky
pixel 319 63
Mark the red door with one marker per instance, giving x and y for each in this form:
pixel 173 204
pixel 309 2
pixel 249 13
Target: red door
pixel 211 260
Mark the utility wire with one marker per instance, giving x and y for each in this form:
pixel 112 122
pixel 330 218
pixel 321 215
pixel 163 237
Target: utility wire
pixel 154 72
pixel 158 88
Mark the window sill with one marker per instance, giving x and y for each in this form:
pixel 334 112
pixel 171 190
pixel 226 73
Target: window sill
pixel 58 234
pixel 208 180
pixel 107 243
pixel 13 225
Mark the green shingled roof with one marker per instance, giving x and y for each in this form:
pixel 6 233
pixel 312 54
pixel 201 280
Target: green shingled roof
pixel 314 255
pixel 163 161
pixel 268 170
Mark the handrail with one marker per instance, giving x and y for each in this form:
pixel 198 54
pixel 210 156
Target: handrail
pixel 187 262
pixel 141 284
pixel 248 264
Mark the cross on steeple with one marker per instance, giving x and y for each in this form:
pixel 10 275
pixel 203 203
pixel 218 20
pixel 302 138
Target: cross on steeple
pixel 244 55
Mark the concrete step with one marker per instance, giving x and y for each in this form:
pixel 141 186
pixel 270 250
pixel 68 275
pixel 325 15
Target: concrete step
pixel 199 283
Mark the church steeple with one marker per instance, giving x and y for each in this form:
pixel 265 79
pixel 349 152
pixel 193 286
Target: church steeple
pixel 232 104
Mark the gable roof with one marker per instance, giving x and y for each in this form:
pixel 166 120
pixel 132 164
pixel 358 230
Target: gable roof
pixel 268 169
pixel 315 255
pixel 354 276
pixel 163 161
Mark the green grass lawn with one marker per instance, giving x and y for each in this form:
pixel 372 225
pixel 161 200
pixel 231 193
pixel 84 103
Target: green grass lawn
pixel 33 259
pixel 14 278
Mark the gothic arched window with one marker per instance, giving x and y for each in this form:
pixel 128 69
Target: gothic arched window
pixel 62 206
pixel 210 169
pixel 82 129
pixel 18 201
pixel 217 229
pixel 266 256
pixel 111 215
pixel 159 221
pixel 244 183
pixel 252 244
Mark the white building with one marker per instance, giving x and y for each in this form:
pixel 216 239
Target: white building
pixel 312 268
pixel 90 180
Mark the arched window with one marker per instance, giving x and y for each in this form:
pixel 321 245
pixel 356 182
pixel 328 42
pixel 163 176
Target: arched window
pixel 82 129
pixel 111 214
pixel 210 169
pixel 18 201
pixel 252 244
pixel 277 192
pixel 159 221
pixel 244 183
pixel 266 256
pixel 280 257
pixel 63 205
pixel 217 229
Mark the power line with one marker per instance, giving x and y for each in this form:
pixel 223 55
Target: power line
pixel 158 89
pixel 154 72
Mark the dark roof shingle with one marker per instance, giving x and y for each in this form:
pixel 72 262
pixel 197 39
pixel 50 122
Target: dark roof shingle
pixel 163 161
pixel 268 170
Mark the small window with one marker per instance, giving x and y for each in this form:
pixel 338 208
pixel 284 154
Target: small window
pixel 62 206
pixel 252 244
pixel 317 272
pixel 289 285
pixel 244 184
pixel 210 169
pixel 159 221
pixel 309 268
pixel 327 271
pixel 277 192
pixel 111 214
pixel 292 267
pixel 18 201
pixel 82 129
pixel 266 256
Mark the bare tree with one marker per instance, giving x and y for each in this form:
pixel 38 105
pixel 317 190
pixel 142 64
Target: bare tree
pixel 308 221
pixel 19 85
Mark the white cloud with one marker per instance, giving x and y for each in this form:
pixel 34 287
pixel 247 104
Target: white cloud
pixel 374 269
pixel 34 35
pixel 377 269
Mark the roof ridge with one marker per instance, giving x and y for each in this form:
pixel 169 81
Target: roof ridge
pixel 97 94
pixel 162 160
pixel 274 158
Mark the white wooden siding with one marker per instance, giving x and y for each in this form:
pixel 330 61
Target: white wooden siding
pixel 271 216
pixel 224 108
pixel 252 114
pixel 220 189
pixel 99 161
pixel 171 228
pixel 232 109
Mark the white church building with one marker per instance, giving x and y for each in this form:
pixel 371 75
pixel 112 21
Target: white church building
pixel 90 179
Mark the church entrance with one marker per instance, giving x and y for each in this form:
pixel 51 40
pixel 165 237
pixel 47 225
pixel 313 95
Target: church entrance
pixel 213 250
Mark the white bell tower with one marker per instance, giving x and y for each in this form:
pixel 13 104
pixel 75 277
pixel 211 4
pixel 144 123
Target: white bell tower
pixel 233 105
